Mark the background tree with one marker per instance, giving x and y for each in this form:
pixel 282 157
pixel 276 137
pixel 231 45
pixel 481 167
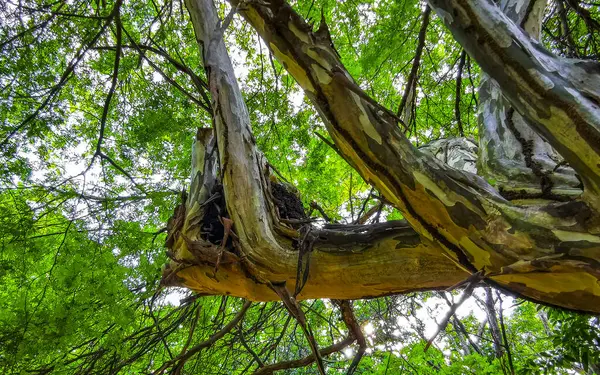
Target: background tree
pixel 100 100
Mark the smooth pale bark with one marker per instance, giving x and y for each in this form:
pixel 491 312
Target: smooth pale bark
pixel 549 253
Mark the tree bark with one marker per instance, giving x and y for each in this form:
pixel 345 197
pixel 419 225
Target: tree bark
pixel 457 224
pixel 375 260
pixel 558 97
pixel 519 161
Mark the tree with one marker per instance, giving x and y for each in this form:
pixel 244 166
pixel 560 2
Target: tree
pixel 454 220
pixel 527 223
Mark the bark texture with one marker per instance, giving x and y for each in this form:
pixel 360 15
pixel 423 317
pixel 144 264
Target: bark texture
pixel 374 260
pixel 520 162
pixel 558 97
pixel 457 224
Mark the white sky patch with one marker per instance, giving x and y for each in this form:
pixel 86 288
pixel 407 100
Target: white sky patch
pixel 239 60
pixel 156 77
pixel 296 99
pixel 367 14
pixel 130 261
pixel 154 27
pixel 174 297
pixel 348 353
pixel 434 309
pixel 399 83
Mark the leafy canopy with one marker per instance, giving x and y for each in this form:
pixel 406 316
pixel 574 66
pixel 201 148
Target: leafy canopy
pixel 99 102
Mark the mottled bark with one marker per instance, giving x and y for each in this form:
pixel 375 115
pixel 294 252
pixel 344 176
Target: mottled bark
pixel 345 263
pixel 517 247
pixel 457 223
pixel 513 157
pixel 557 97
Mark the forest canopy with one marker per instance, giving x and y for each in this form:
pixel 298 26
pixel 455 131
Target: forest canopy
pixel 312 186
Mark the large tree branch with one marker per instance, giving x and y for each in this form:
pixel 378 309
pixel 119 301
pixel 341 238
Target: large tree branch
pixel 364 132
pixel 357 262
pixel 559 97
pixel 241 166
pixel 376 260
pixel 460 222
pixel 458 211
pixel 522 164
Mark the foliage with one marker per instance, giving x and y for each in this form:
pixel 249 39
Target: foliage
pixel 95 151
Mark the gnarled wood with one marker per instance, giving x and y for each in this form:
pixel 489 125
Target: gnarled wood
pixel 559 97
pixel 461 225
pixel 518 247
pixel 512 155
pixel 346 263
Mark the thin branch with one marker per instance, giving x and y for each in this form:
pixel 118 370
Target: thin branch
pixel 302 362
pixel 33 28
pixel 328 142
pixel 354 334
pixel 248 348
pixel 65 76
pixel 461 327
pixel 359 219
pixel 197 81
pixel 565 30
pixel 169 79
pixel 316 206
pixel 183 357
pixel 372 211
pixel 120 169
pixel 113 85
pixel 475 278
pixel 295 310
pixel 506 344
pixel 411 82
pixel 461 65
pixel 585 14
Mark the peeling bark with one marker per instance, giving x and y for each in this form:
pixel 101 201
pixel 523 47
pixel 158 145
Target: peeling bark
pixel 512 155
pixel 514 246
pixel 374 260
pixel 558 97
pixel 457 224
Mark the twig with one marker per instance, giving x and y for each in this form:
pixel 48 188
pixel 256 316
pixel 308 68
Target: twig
pixel 248 348
pixel 416 61
pixel 362 209
pixel 295 310
pixel 183 357
pixel 317 207
pixel 475 278
pixel 120 169
pixel 461 65
pixel 506 344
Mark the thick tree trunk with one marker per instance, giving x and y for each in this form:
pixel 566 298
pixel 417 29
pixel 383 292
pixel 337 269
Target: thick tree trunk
pixel 460 224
